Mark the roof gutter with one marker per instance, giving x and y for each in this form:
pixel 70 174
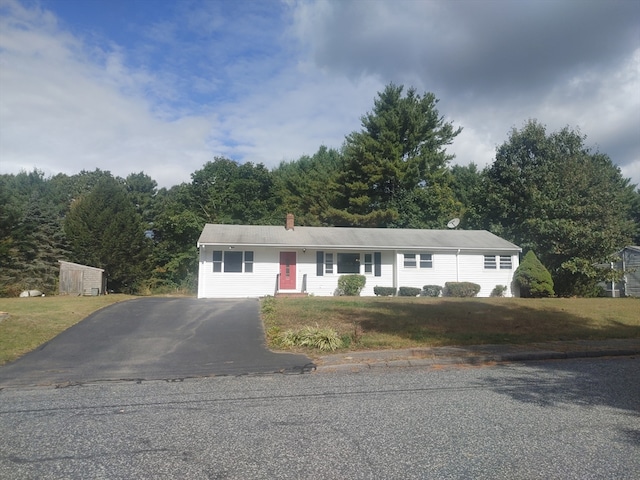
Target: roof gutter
pixel 364 247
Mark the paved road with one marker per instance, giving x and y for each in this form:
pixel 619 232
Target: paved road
pixel 155 338
pixel 570 419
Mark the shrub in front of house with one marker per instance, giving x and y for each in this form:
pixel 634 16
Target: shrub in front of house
pixel 461 289
pixel 533 278
pixel 498 291
pixel 351 285
pixel 384 291
pixel 431 290
pixel 408 292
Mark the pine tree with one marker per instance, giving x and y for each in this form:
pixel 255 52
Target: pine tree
pixel 395 171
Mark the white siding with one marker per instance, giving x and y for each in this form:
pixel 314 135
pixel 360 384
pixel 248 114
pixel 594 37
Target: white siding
pixel 463 267
pixel 447 267
pixel 327 284
pixel 262 281
pixel 266 266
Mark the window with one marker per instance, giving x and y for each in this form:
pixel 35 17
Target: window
pixel 426 260
pixel 348 263
pixel 233 262
pixel 490 262
pixel 368 263
pixel 328 263
pixel 217 261
pixel 413 260
pixel 505 262
pixel 248 262
pixel 409 260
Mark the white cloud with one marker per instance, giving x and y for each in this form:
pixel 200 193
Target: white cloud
pixel 61 111
pixel 494 65
pixel 68 104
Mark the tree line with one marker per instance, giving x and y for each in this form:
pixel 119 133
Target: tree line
pixel 545 191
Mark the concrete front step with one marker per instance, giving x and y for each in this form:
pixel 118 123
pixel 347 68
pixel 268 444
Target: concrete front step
pixel 291 294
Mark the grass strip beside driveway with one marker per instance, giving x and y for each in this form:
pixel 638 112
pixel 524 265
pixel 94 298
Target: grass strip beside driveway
pixel 365 323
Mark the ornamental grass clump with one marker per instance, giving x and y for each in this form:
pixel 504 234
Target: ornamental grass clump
pixel 325 339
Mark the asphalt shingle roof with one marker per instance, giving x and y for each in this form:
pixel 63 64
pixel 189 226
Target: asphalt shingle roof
pixel 362 238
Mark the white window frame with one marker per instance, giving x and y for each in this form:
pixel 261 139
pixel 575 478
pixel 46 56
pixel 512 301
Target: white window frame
pixel 506 263
pixel 490 262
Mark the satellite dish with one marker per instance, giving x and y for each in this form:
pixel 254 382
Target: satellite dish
pixel 453 223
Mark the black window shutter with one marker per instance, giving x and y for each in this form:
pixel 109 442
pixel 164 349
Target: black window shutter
pixel 319 264
pixel 377 260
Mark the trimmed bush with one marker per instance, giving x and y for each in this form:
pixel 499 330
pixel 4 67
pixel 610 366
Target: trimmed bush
pixel 431 290
pixel 408 292
pixel 498 291
pixel 533 278
pixel 461 289
pixel 384 291
pixel 351 285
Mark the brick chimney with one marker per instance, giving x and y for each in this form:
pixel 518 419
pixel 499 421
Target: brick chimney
pixel 290 221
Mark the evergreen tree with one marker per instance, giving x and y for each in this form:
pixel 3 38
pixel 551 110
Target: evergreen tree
pixel 395 168
pixel 105 231
pixel 532 278
pixel 31 236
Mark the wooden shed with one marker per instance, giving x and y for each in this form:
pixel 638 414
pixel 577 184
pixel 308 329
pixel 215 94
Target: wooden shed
pixel 76 279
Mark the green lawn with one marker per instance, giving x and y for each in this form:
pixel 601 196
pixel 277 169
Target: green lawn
pixel 402 322
pixel 36 320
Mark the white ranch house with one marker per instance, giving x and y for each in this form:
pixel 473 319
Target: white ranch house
pixel 257 260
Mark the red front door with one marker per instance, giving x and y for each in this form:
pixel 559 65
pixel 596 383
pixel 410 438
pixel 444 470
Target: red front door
pixel 287 270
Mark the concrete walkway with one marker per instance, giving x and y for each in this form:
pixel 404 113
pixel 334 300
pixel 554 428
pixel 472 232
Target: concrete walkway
pixel 476 354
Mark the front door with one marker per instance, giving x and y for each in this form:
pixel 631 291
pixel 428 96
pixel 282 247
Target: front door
pixel 287 270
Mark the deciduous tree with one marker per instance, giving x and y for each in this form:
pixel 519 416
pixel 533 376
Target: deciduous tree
pixel 552 194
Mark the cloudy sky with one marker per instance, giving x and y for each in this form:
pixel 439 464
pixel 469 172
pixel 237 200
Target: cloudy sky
pixel 164 86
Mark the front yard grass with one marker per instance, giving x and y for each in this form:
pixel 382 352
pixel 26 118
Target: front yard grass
pixel 27 323
pixel 366 323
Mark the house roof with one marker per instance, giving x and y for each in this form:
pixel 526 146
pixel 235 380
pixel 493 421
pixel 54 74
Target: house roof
pixel 351 238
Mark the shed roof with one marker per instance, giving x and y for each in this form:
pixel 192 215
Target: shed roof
pixel 78 266
pixel 361 238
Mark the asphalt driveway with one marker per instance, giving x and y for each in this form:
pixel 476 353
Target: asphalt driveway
pixel 156 338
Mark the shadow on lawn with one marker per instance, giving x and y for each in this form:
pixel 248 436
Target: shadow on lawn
pixel 477 322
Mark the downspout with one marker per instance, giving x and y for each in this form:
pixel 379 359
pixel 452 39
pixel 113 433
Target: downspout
pixel 395 269
pixel 457 266
pixel 624 273
pixel 201 258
